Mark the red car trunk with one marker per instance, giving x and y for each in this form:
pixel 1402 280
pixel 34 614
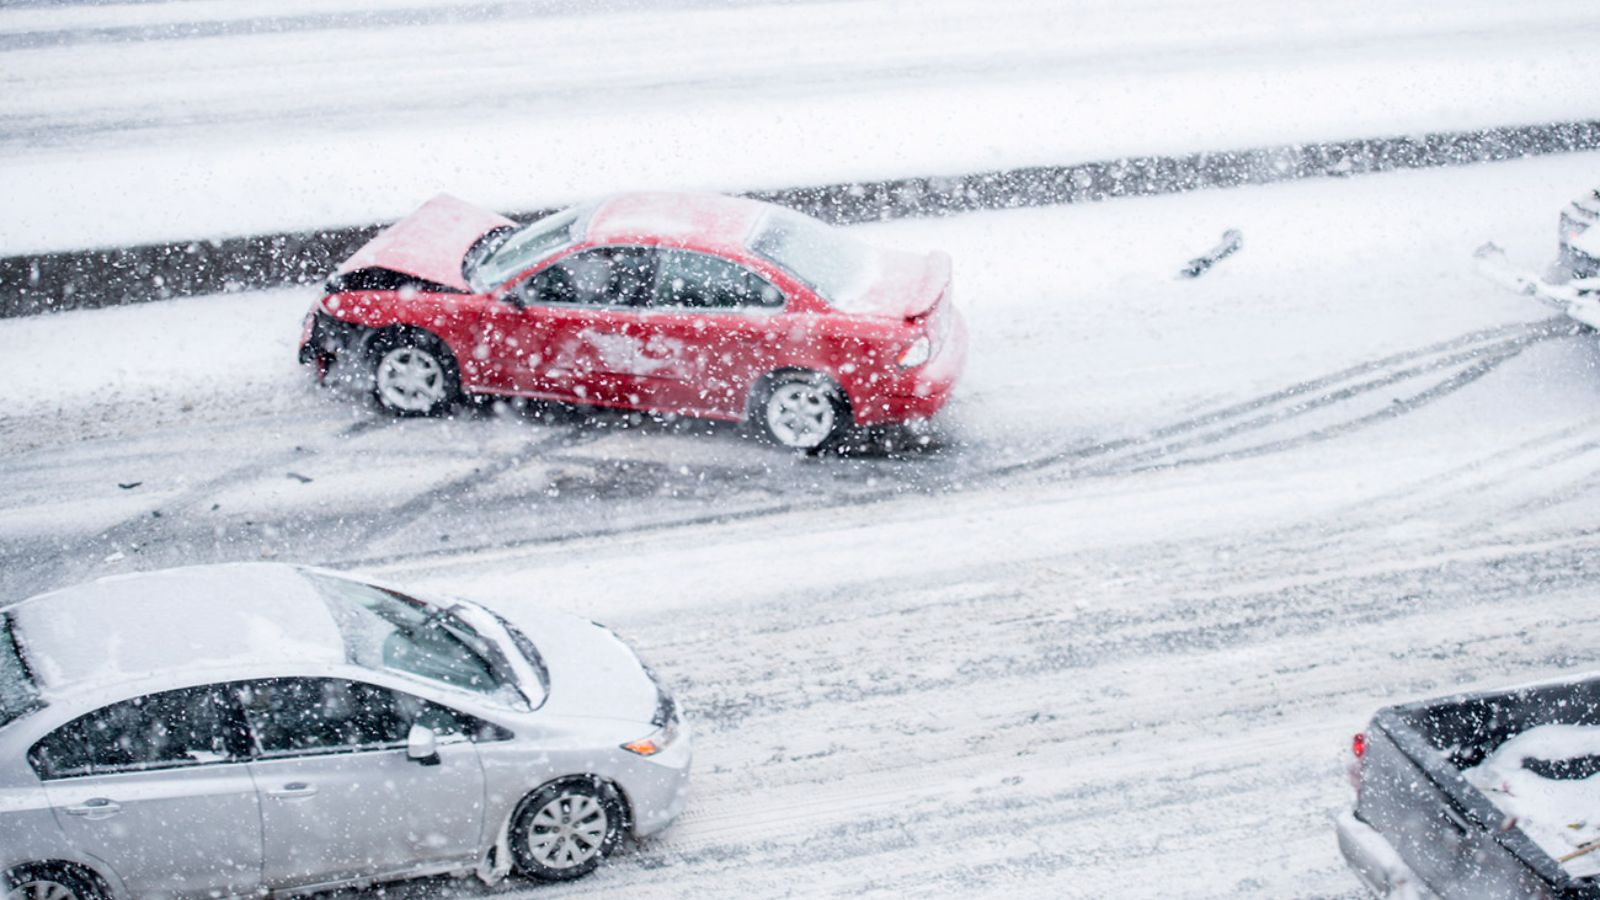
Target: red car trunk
pixel 907 286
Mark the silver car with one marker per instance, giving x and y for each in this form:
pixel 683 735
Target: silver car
pixel 254 728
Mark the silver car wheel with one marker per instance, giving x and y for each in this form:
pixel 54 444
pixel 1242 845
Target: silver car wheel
pixel 568 831
pixel 801 414
pixel 41 889
pixel 410 379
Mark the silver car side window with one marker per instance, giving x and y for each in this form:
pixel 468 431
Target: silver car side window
pixel 302 716
pixel 296 716
pixel 172 729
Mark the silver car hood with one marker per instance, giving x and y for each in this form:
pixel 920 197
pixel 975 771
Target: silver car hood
pixel 593 674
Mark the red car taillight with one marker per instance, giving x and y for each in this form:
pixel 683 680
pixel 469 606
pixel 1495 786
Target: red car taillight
pixel 916 353
pixel 1358 749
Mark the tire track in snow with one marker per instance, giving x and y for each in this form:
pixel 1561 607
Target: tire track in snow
pixel 1306 412
pixel 1496 344
pixel 1476 353
pixel 397 518
pixel 1471 487
pixel 133 534
pixel 1398 407
pixel 1052 641
pixel 1462 601
pixel 1170 700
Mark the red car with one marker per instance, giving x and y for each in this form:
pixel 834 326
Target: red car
pixel 675 303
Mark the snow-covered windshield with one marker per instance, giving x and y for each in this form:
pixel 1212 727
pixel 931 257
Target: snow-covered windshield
pixel 525 247
pixel 384 629
pixel 838 267
pixel 18 695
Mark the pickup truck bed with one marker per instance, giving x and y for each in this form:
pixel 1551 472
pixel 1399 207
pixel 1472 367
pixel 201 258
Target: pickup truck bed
pixel 1420 829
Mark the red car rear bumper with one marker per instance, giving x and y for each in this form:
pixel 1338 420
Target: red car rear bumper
pixel 918 393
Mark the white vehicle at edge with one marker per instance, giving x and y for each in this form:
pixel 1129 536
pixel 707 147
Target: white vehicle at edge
pixel 254 728
pixel 1572 283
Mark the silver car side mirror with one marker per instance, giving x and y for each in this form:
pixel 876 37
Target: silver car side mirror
pixel 422 746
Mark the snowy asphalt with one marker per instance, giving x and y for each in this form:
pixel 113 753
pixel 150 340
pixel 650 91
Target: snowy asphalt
pixel 1103 629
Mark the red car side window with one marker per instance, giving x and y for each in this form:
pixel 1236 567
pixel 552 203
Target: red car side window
pixel 603 276
pixel 688 280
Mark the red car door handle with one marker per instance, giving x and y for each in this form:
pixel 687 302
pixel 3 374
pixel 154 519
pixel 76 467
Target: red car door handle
pixel 95 808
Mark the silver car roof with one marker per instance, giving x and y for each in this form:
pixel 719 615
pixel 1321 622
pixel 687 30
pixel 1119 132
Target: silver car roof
pixel 162 623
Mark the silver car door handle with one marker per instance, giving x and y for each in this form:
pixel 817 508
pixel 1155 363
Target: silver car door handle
pixel 292 790
pixel 95 808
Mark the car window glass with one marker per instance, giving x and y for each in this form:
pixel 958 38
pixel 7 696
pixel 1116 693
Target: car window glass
pixel 297 716
pixel 526 246
pixel 172 729
pixel 388 630
pixel 603 276
pixel 839 267
pixel 18 693
pixel 696 281
pixel 443 721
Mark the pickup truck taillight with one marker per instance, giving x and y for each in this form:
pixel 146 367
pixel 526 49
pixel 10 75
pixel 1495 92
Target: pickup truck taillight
pixel 1358 745
pixel 1358 749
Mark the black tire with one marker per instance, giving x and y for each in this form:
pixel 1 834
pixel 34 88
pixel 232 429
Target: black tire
pixel 565 829
pixel 413 374
pixel 50 881
pixel 802 411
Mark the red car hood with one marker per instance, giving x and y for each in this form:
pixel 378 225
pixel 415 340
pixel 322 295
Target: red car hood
pixel 429 243
pixel 906 284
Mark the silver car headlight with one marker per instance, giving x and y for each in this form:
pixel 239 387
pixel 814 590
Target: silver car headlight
pixel 666 732
pixel 654 742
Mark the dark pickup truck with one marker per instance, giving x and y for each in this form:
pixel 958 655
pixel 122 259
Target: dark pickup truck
pixel 1421 829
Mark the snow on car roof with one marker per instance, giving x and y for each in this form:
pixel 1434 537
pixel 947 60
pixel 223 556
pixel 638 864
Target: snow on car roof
pixel 701 218
pixel 135 626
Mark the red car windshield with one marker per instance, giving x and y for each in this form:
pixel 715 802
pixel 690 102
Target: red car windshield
pixel 524 248
pixel 839 268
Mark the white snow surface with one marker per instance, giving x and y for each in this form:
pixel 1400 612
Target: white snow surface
pixel 132 122
pixel 1560 815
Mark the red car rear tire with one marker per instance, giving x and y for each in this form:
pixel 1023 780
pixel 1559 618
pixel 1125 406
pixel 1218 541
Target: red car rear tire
pixel 803 411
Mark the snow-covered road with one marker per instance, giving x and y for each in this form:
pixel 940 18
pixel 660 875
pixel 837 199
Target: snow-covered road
pixel 1106 633
pixel 1104 629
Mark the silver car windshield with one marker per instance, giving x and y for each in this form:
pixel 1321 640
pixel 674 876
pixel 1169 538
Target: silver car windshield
pixel 526 247
pixel 838 267
pixel 18 694
pixel 384 629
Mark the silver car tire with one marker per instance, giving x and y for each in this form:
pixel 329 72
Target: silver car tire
pixel 802 411
pixel 566 829
pixel 50 883
pixel 413 375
